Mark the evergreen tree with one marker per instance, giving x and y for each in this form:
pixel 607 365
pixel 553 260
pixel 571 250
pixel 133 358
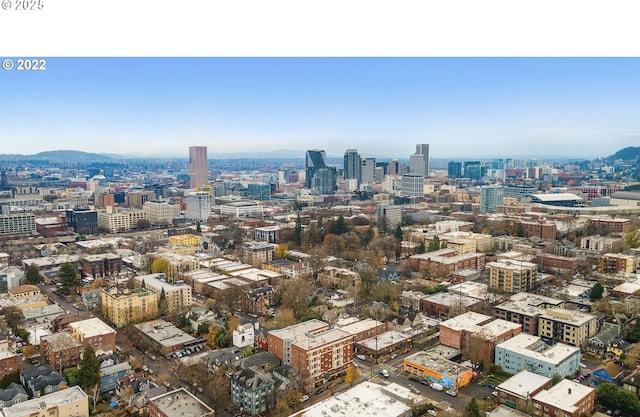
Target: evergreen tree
pixel 434 245
pixel 33 275
pixel 143 285
pixel 68 276
pixel 421 248
pixel 298 231
pixel 163 304
pixel 596 292
pixel 473 408
pixel 198 228
pixel 340 226
pixel 634 333
pixel 398 233
pixel 89 372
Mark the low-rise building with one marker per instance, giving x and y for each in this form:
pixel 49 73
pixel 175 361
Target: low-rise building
pixel 13 394
pixel 342 278
pixel 101 265
pixel 253 391
pixel 96 333
pixel 566 398
pixel 164 335
pixel 178 402
pixel 24 291
pixel 433 368
pixel 61 350
pixel 525 308
pixel 71 402
pixel 443 304
pixel 244 336
pixel 9 363
pixel 512 276
pixel 566 326
pixel 111 374
pixel 517 391
pixel 258 253
pixel 530 352
pixel 178 294
pixel 361 329
pixel 41 380
pixel 617 262
pixel 122 306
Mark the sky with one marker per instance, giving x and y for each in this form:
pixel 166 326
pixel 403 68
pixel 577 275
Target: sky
pixel 462 107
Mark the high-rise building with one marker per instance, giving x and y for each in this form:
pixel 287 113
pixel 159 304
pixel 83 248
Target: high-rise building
pixel 319 176
pixel 198 166
pixel 395 167
pixel 454 169
pixel 352 165
pixel 419 161
pixel 491 197
pixel 412 186
pixel 259 191
pixel 198 207
pixel 473 170
pixel 368 170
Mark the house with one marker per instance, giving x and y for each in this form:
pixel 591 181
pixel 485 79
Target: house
pixel 222 358
pixel 598 344
pixel 140 401
pixel 110 374
pixel 261 337
pixel 253 390
pixel 632 382
pixel 202 315
pixel 610 372
pixel 40 380
pixel 13 394
pixel 244 336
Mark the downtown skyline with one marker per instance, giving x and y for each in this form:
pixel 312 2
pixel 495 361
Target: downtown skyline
pixel 462 107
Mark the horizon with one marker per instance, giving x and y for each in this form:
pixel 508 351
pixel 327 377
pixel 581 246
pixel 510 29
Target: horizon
pixel 574 108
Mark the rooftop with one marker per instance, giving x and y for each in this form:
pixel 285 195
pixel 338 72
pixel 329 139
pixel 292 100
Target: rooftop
pixel 310 334
pixel 180 402
pixel 359 326
pixel 504 411
pixel 565 395
pixel 450 300
pixel 437 363
pixel 524 383
pixel 572 317
pixel 364 400
pixel 384 340
pixel 92 327
pixel 159 282
pixel 469 321
pixel 164 333
pixel 534 347
pixel 55 399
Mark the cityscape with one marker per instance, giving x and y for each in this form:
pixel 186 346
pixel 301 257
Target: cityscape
pixel 194 250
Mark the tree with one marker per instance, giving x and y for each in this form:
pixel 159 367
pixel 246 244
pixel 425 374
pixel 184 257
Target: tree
pixel 632 238
pixel 596 292
pixel 13 316
pixel 33 275
pixel 634 333
pixel 284 317
pixel 295 296
pixel 352 375
pixel 28 351
pixel 71 375
pixel 68 275
pixel 434 244
pixel 89 373
pixel 612 396
pixel 203 328
pixel 398 233
pixel 163 303
pixel 281 251
pixel 472 408
pixel 160 266
pixel 198 228
pixel 298 231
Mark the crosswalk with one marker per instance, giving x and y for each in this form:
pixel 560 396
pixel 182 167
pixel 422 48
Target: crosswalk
pixel 366 371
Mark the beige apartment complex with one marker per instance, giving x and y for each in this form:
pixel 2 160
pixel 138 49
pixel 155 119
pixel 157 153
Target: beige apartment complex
pixel 178 294
pixel 124 306
pixel 567 326
pixel 512 275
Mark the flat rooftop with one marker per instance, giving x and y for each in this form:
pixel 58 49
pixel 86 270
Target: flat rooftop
pixel 450 300
pixel 533 347
pixel 524 383
pixel 158 281
pixel 38 405
pixel 92 327
pixel 310 334
pixel 384 340
pixel 571 317
pixel 436 363
pixel 359 326
pixel 164 333
pixel 469 321
pixel 180 402
pixel 497 327
pixel 364 400
pixel 446 352
pixel 565 395
pixel 504 411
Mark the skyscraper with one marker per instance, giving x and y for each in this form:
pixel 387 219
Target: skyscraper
pixel 419 161
pixel 352 165
pixel 490 198
pixel 454 169
pixel 412 186
pixel 367 170
pixel 319 176
pixel 198 166
pixel 314 161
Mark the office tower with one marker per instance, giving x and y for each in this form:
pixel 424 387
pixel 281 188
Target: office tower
pixel 352 165
pixel 198 207
pixel 490 198
pixel 259 191
pixel 394 168
pixel 412 186
pixel 497 163
pixel 198 166
pixel 315 159
pixel 367 170
pixel 472 170
pixel 319 176
pixel 454 169
pixel 419 161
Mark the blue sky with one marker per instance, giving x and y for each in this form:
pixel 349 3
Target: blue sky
pixel 462 107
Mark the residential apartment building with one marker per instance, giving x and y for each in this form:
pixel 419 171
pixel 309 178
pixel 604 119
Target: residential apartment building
pixel 179 264
pixel 444 262
pixel 101 265
pixel 512 276
pixel 258 253
pixel 617 262
pixel 61 350
pixel 177 403
pixel 566 326
pixel 313 349
pixel 565 399
pixel 516 391
pixel 539 229
pixel 253 390
pixel 178 294
pixel 530 352
pixel 161 213
pixel 611 226
pixel 361 329
pixel 96 333
pixel 341 278
pixel 9 362
pixel 444 305
pixel 70 402
pixel 124 306
pixel 137 199
pixel 123 220
pixel 602 243
pixel 198 207
pixel 525 308
pixel 557 262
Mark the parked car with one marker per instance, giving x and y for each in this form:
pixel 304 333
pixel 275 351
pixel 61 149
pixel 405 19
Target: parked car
pixel 319 391
pixel 304 398
pixel 436 386
pixel 452 392
pixel 153 357
pixel 494 393
pixel 166 384
pixel 413 378
pixel 384 373
pixel 145 368
pixel 395 355
pixel 432 412
pixel 361 357
pixel 407 350
pixel 200 390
